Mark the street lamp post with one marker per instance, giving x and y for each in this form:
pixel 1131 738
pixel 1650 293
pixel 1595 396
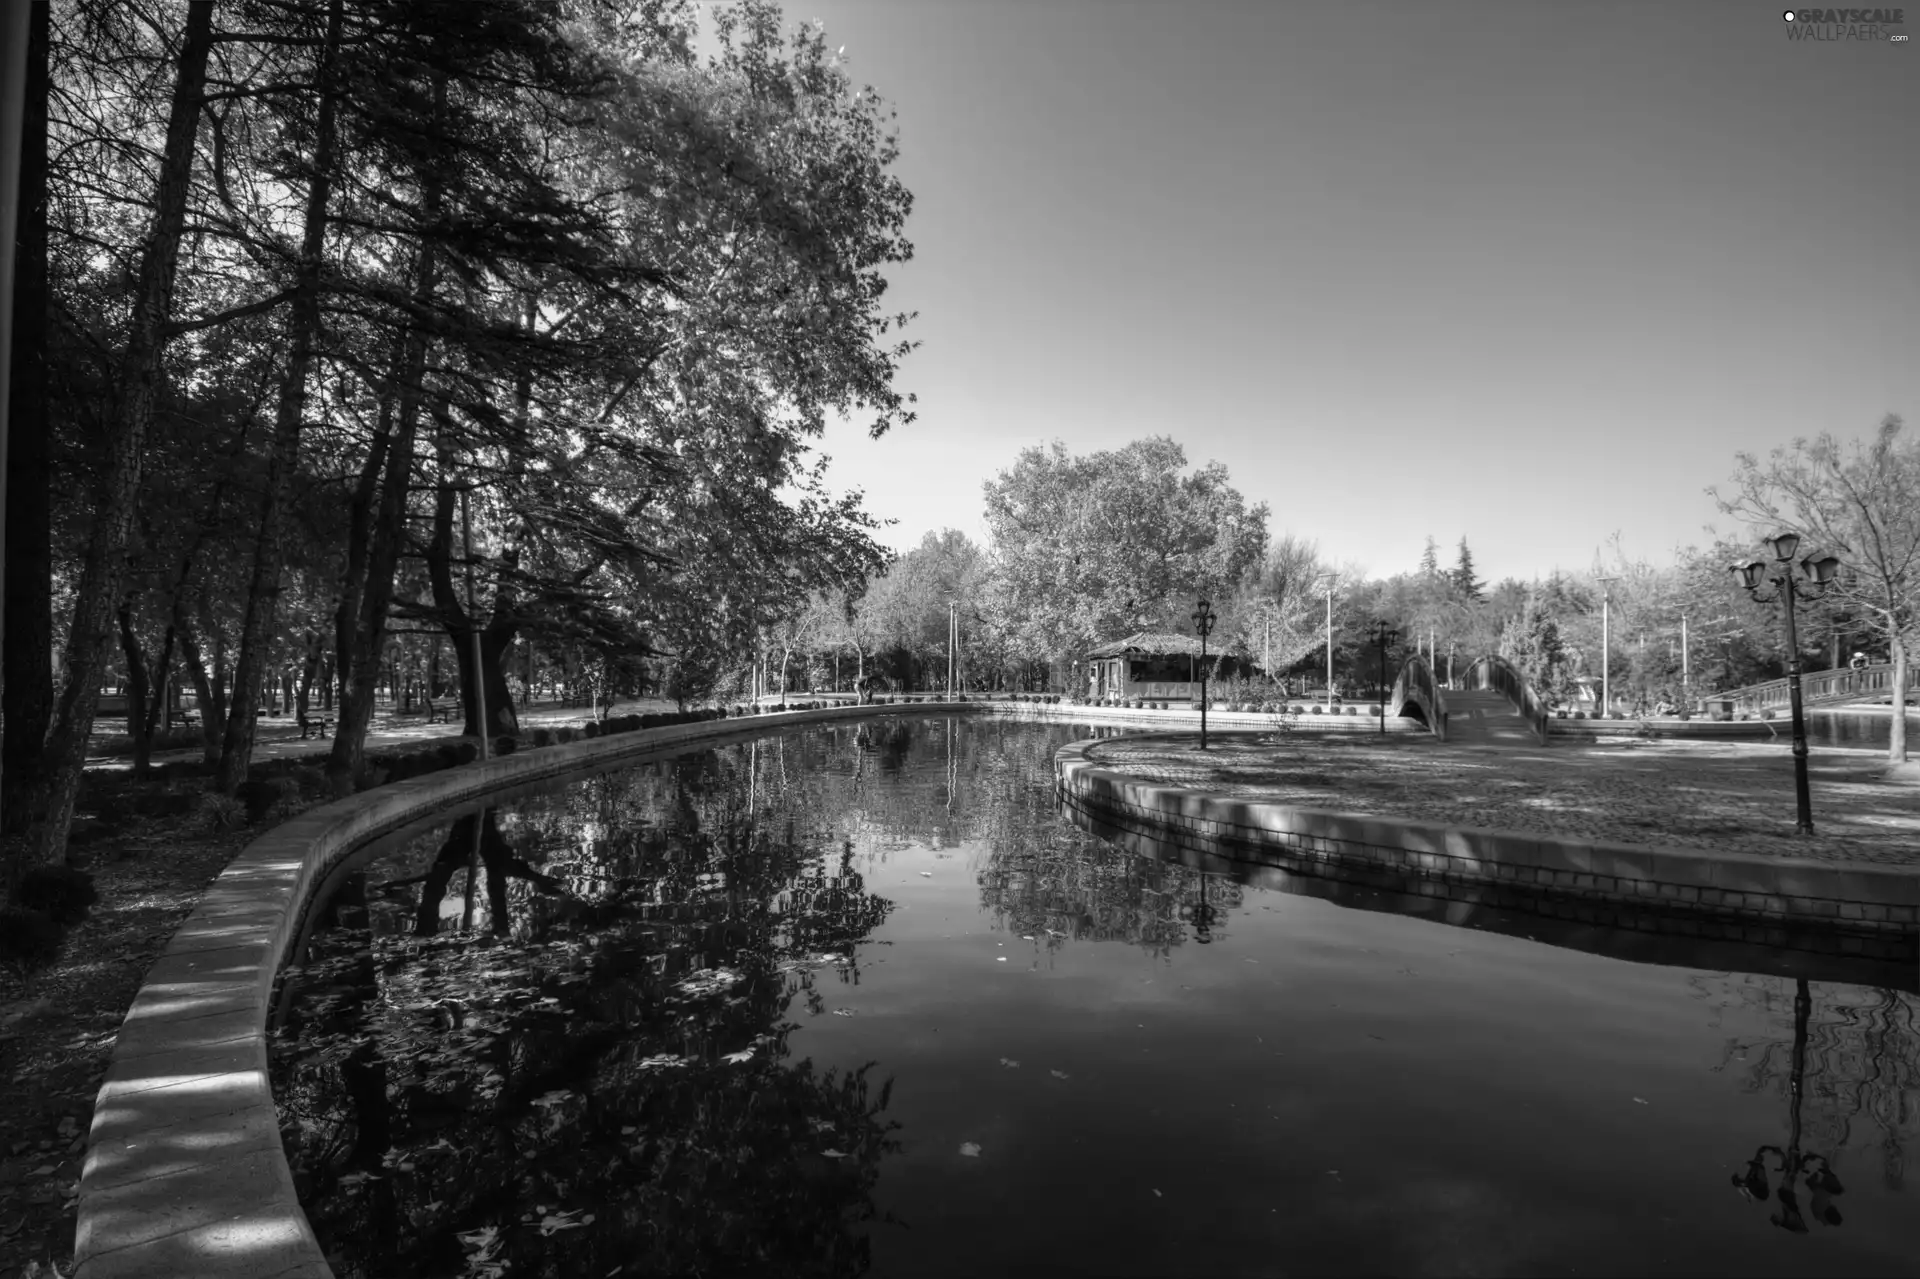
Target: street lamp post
pixel 1686 666
pixel 1752 578
pixel 1203 620
pixel 1330 579
pixel 1384 635
pixel 1606 643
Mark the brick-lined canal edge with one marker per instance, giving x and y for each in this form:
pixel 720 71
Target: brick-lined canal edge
pixel 1864 909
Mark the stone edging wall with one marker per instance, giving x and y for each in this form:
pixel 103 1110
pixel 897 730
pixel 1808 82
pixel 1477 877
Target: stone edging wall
pixel 1184 718
pixel 185 1173
pixel 1240 721
pixel 1875 904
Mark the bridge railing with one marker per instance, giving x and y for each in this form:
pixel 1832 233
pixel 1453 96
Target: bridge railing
pixel 1821 686
pixel 1497 673
pixel 1416 684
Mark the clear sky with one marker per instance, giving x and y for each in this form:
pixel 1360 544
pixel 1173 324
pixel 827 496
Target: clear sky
pixel 1527 272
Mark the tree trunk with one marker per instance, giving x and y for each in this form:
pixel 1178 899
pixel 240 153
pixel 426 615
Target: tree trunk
pixel 98 594
pixel 136 689
pixel 212 729
pixel 217 670
pixel 283 455
pixel 26 703
pixel 369 592
pixel 1897 737
pixel 495 638
pixel 157 717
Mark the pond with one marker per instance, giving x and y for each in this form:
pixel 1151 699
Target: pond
pixel 1859 728
pixel 857 999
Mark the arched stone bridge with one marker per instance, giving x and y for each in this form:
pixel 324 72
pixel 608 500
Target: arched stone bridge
pixel 1492 705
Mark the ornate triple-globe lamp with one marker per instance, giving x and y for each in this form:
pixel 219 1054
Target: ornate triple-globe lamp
pixel 1203 620
pixel 1817 574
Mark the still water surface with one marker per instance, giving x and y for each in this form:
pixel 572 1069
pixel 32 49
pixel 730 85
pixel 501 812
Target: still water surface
pixel 857 1000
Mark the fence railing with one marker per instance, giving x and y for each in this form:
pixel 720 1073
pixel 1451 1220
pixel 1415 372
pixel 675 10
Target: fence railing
pixel 1416 684
pixel 1497 673
pixel 1846 685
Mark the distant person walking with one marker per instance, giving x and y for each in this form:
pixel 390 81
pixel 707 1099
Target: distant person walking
pixel 1859 661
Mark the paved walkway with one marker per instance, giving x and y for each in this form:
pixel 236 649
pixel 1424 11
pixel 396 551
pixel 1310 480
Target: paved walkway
pixel 1729 796
pixel 280 738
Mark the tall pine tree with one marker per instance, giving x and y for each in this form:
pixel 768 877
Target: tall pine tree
pixel 1430 558
pixel 1464 579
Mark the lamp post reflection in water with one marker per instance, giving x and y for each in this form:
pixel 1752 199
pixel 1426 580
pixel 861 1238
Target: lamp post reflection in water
pixel 1201 914
pixel 1793 1163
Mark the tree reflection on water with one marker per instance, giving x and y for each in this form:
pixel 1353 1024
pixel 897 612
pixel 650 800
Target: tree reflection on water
pixel 556 1036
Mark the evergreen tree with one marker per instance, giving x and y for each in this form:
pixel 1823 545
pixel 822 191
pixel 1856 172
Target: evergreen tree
pixel 1463 575
pixel 1430 558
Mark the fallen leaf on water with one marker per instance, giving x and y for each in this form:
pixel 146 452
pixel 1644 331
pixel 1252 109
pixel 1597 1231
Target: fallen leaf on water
pixel 1059 1074
pixel 834 1154
pixel 1641 1100
pixel 1008 1062
pixel 926 874
pixel 1026 937
pixel 970 1149
pixel 1001 960
pixel 482 1238
pixel 745 1054
pixel 1158 1195
pixel 843 1012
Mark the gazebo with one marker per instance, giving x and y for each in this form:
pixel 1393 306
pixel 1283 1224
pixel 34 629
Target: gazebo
pixel 1148 664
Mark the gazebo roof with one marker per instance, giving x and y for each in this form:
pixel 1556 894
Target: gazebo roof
pixel 1149 644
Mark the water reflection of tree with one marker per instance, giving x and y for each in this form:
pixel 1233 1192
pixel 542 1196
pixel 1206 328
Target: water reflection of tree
pixel 1861 1062
pixel 618 1051
pixel 606 1033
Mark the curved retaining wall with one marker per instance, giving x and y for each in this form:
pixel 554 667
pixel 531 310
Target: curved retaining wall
pixel 1617 930
pixel 185 1174
pixel 1864 909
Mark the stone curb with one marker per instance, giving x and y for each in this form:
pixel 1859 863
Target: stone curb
pixel 185 1173
pixel 1865 900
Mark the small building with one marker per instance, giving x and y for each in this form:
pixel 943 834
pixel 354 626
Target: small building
pixel 1150 665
